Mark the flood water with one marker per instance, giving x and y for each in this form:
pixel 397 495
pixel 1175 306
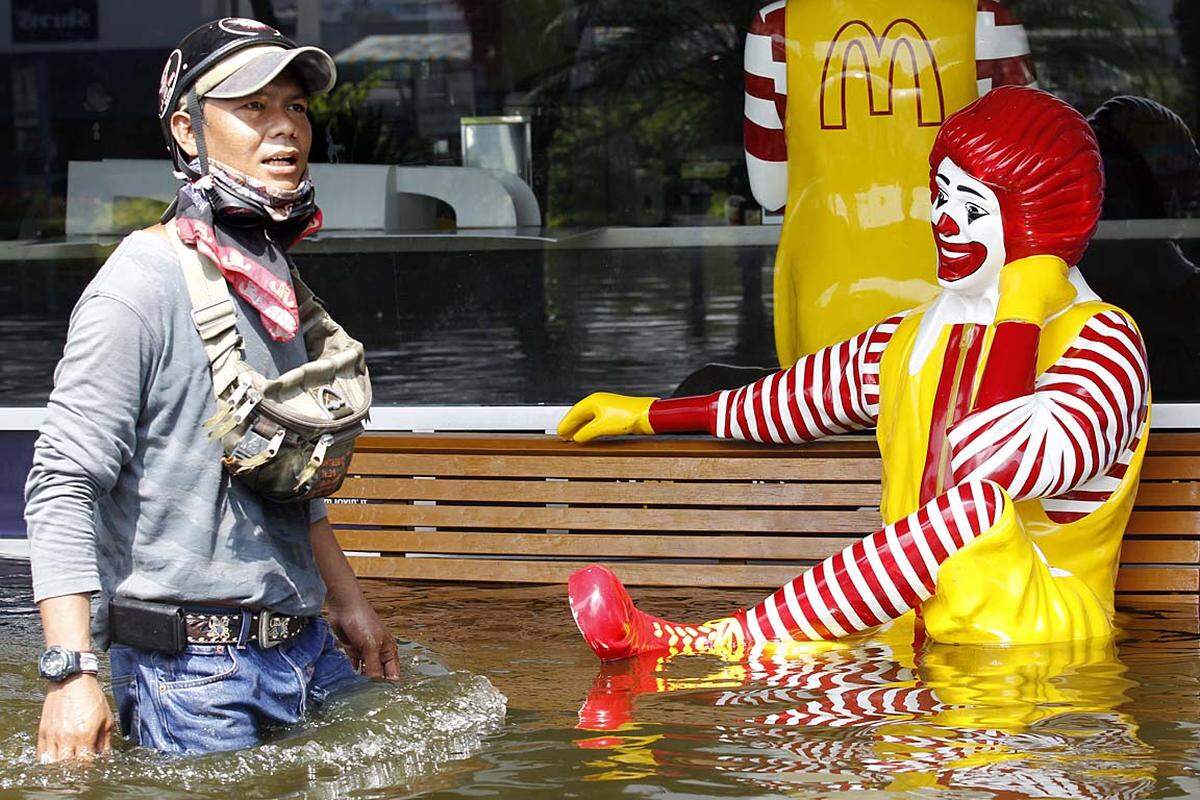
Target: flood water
pixel 502 698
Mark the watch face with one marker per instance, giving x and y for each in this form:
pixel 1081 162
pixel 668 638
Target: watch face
pixel 54 663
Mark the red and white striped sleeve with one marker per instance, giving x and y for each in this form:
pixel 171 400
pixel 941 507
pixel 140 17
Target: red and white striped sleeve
pixel 1081 418
pixel 834 390
pixel 766 106
pixel 1002 55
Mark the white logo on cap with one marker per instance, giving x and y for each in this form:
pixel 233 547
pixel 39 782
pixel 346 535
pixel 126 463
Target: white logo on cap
pixel 166 84
pixel 240 26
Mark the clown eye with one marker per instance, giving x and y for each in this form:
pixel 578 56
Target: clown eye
pixel 974 212
pixel 940 199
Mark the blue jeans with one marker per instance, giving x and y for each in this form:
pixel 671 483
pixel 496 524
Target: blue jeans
pixel 223 697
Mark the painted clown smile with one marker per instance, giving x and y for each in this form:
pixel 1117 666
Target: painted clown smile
pixel 959 259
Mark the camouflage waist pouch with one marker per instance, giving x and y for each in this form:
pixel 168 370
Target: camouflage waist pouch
pixel 290 438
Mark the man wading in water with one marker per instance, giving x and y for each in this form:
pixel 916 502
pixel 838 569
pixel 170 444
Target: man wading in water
pixel 208 595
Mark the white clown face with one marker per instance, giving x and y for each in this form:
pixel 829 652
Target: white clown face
pixel 968 231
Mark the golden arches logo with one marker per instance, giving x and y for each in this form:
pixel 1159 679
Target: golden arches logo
pixel 856 42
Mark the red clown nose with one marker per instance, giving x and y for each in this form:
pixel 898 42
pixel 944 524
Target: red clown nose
pixel 946 226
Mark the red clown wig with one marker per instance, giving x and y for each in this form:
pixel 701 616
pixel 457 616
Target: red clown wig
pixel 1040 158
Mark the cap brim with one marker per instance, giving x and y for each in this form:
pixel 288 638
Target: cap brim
pixel 314 66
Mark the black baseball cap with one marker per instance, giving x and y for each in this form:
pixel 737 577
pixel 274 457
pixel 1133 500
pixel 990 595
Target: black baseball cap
pixel 233 57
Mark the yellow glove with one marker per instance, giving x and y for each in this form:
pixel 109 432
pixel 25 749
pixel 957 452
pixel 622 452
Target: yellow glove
pixel 606 414
pixel 1033 289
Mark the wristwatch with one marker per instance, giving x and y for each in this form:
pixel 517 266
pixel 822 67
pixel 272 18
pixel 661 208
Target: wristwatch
pixel 57 663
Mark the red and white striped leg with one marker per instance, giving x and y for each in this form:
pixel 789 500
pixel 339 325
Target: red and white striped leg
pixel 879 578
pixel 875 580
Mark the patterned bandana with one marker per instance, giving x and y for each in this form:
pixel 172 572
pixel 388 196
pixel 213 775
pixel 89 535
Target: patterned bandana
pixel 246 227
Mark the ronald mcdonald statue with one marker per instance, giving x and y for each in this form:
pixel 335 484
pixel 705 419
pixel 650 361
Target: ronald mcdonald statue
pixel 839 94
pixel 1011 413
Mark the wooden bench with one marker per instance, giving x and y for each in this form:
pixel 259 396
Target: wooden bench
pixel 675 511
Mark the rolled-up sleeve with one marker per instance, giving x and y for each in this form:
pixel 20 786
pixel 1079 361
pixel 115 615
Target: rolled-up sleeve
pixel 89 434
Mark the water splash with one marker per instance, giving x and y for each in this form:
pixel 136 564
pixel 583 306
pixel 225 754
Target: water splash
pixel 370 743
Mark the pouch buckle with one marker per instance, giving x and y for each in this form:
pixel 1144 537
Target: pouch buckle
pixel 271 625
pixel 253 398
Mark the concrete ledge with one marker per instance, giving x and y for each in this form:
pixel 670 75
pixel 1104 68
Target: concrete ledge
pixel 14 548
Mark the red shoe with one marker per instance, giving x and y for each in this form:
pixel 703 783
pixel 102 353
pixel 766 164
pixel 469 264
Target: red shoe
pixel 614 628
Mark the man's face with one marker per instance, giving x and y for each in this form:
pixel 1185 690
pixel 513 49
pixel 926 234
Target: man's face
pixel 266 135
pixel 967 229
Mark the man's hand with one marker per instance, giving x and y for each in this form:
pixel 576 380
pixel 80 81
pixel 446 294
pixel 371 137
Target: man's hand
pixel 367 641
pixel 1034 289
pixel 606 414
pixel 76 722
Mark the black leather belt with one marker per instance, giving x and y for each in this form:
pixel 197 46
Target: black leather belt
pixel 169 628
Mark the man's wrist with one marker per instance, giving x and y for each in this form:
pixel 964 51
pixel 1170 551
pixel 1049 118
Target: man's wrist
pixel 346 596
pixel 53 686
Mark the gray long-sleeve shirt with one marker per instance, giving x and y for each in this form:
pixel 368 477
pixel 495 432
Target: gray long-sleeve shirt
pixel 127 495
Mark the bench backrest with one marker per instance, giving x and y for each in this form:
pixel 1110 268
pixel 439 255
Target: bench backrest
pixel 678 511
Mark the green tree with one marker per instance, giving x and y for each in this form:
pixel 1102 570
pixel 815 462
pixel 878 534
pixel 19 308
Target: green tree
pixel 648 87
pixel 349 129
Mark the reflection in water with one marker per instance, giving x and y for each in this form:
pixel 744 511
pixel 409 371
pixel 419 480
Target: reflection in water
pixel 486 328
pixel 877 714
pixel 383 737
pixel 496 328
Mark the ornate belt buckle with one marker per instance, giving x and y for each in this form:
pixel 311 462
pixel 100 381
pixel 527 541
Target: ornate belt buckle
pixel 272 629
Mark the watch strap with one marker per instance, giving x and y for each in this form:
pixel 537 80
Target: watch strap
pixel 89 663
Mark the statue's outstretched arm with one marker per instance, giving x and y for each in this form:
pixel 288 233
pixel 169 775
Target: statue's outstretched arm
pixel 834 390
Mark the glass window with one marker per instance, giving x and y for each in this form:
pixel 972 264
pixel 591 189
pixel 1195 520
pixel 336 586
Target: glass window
pixel 608 238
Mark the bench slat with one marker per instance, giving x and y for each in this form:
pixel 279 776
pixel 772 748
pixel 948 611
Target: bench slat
pixel 1171 468
pixel 588 545
pixel 618 467
pixel 589 464
pixel 859 444
pixel 1180 580
pixel 1154 493
pixel 1160 551
pixel 613 493
pixel 1137 600
pixel 1159 579
pixel 633 520
pixel 629 520
pixel 1151 494
pixel 676 446
pixel 1181 442
pixel 1165 522
pixel 581 545
pixel 634 574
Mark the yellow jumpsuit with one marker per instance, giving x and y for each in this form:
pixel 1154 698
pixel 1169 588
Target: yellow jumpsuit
pixel 1028 579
